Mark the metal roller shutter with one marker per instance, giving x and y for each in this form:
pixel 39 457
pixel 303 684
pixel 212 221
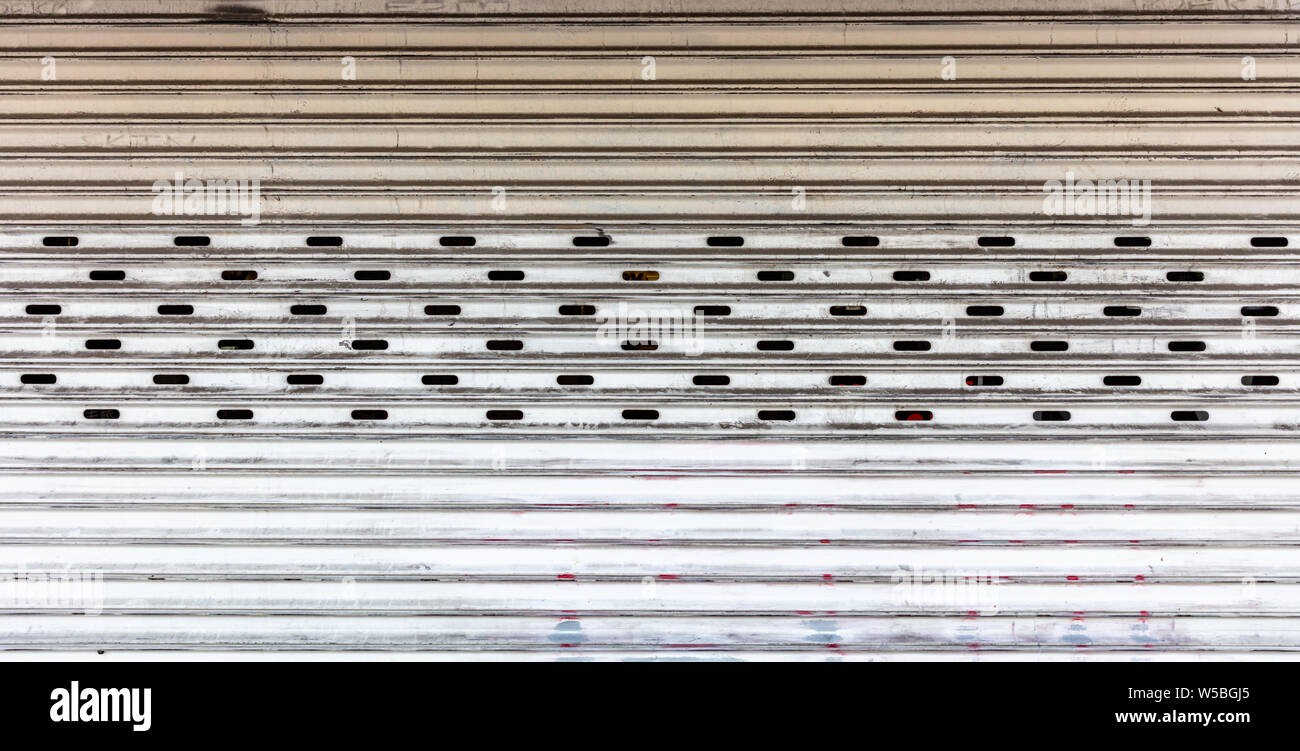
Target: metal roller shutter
pixel 569 329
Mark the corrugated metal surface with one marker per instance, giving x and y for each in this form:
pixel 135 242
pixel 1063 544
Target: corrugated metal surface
pixel 650 330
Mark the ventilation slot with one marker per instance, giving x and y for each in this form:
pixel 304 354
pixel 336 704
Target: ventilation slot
pixel 1132 242
pixel 775 345
pixel 911 276
pixel 848 310
pixel 171 379
pixel 1185 276
pixel 103 344
pixel 442 310
pixel 456 241
pixel 505 414
pixel 505 345
pixel 175 310
pixel 234 414
pixel 574 380
pixel 712 310
pixel 235 344
pixel 641 276
pixel 101 414
pixel 54 241
pixel 1189 415
pixel 913 415
pixel 577 310
pixel 308 310
pixel 640 414
pixel 776 415
pixel 984 380
pixel 984 310
pixel 107 276
pixel 848 380
pixel 726 241
pixel 440 380
pixel 372 275
pixel 912 345
pixel 44 310
pixel 1258 242
pixel 324 241
pixel 991 241
pixel 369 414
pixel 1051 415
pixel 38 378
pixel 369 344
pixel 185 241
pixel 239 275
pixel 1259 380
pixel 1258 311
pixel 1049 346
pixel 1187 346
pixel 860 241
pixel 583 241
pixel 304 379
pixel 1122 310
pixel 1122 380
pixel 1047 276
pixel 711 380
pixel 776 276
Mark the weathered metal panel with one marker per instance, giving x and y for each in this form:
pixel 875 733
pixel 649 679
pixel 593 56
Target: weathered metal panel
pixel 567 329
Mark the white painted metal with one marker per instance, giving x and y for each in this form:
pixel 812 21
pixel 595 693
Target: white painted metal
pixel 482 382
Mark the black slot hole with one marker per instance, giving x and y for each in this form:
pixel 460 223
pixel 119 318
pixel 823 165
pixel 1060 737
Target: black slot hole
pixel 912 345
